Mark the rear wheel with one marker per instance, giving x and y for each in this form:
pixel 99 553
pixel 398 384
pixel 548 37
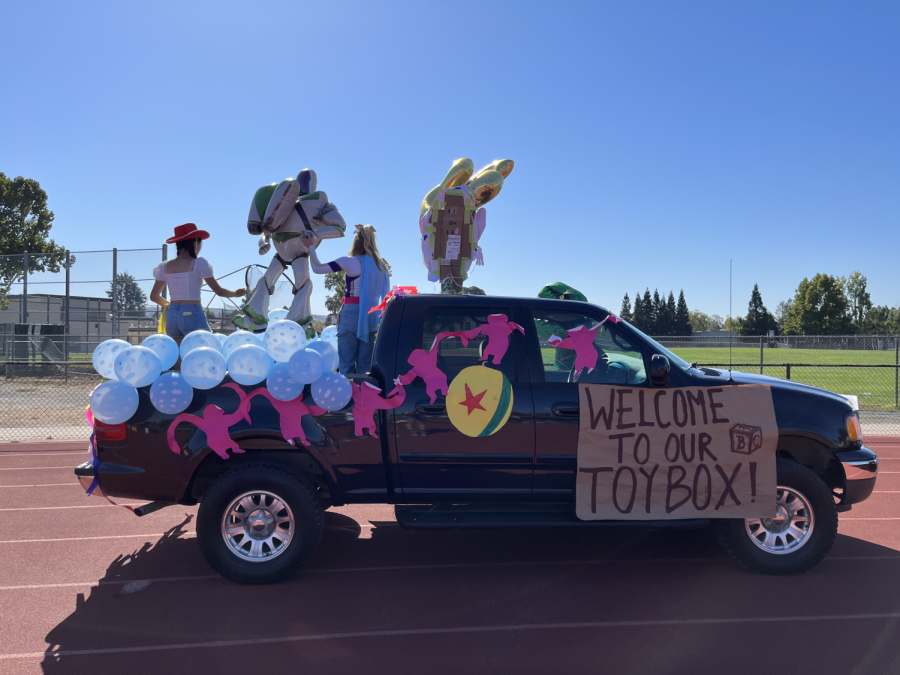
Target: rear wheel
pixel 797 538
pixel 258 524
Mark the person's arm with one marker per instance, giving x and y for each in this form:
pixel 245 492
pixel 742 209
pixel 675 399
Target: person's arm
pixel 223 292
pixel 347 264
pixel 156 294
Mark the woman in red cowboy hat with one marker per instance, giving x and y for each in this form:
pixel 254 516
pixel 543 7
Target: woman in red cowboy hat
pixel 184 275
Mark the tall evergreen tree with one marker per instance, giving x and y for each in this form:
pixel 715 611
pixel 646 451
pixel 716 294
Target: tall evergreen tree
pixel 682 316
pixel 759 320
pixel 669 313
pixel 638 316
pixel 625 312
pixel 649 313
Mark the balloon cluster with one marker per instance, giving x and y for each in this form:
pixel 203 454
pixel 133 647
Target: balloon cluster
pixel 282 357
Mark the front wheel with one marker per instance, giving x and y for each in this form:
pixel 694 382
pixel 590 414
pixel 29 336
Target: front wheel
pixel 797 538
pixel 258 524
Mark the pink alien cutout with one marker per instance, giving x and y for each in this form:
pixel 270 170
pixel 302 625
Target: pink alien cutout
pixel 497 330
pixel 581 339
pixel 291 414
pixel 424 365
pixel 215 423
pixel 367 400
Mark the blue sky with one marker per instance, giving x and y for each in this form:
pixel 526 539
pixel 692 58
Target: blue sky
pixel 653 141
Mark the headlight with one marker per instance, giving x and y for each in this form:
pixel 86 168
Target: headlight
pixel 853 429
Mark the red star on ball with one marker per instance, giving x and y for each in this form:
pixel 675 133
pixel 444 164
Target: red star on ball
pixel 473 401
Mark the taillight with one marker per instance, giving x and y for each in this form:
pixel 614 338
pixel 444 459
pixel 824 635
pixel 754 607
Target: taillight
pixel 109 432
pixel 854 429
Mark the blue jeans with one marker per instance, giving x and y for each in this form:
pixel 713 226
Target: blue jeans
pixel 182 319
pixel 354 354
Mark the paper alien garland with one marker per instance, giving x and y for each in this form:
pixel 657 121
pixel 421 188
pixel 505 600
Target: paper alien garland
pixel 452 220
pixel 581 340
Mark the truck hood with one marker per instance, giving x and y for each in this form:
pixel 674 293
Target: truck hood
pixel 787 386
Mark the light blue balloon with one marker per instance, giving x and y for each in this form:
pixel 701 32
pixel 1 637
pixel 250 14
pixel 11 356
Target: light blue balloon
pixel 332 391
pixel 114 402
pixel 165 348
pixel 281 385
pixel 221 337
pixel 171 394
pixel 197 339
pixel 249 364
pixel 239 339
pixel 137 366
pixel 277 315
pixel 306 366
pixel 328 353
pixel 203 368
pixel 330 335
pixel 283 338
pixel 104 357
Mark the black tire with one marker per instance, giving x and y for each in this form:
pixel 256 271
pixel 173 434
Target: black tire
pixel 305 508
pixel 737 541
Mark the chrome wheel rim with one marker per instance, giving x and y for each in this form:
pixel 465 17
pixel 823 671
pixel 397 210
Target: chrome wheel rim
pixel 258 526
pixel 791 527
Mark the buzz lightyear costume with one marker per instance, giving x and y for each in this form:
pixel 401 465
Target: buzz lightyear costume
pixel 293 215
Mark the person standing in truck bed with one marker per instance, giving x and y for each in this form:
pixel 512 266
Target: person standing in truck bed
pixel 184 275
pixel 367 282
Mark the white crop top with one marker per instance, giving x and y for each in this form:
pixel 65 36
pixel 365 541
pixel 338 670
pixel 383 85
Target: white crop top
pixel 185 285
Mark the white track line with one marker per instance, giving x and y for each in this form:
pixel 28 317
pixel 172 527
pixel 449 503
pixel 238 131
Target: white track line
pixel 111 536
pixel 41 454
pixel 33 468
pixel 72 483
pixel 446 566
pixel 649 623
pixel 57 508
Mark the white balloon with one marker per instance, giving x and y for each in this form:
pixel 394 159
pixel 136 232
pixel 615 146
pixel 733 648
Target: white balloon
pixel 283 338
pixel 203 368
pixel 277 315
pixel 104 357
pixel 239 339
pixel 114 402
pixel 137 366
pixel 332 391
pixel 199 338
pixel 165 347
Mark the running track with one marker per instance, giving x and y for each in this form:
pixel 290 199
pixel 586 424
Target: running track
pixel 89 588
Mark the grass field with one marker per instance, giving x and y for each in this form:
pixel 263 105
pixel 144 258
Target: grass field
pixel 875 387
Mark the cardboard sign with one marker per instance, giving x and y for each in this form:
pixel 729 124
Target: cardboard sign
pixel 454 242
pixel 687 452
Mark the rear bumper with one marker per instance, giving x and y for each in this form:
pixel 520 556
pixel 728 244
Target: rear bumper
pixel 860 472
pixel 85 474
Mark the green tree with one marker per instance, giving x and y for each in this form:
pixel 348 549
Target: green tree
pixel 472 290
pixel 858 297
pixel 781 314
pixel 734 323
pixel 649 313
pixel 625 311
pixel 669 311
pixel 759 320
pixel 881 320
pixel 682 316
pixel 659 313
pixel 819 307
pixel 335 282
pixel 129 296
pixel 638 316
pixel 25 224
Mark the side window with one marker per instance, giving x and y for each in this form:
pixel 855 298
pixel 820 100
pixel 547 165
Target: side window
pixel 452 355
pixel 619 360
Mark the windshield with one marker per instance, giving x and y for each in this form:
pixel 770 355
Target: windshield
pixel 677 360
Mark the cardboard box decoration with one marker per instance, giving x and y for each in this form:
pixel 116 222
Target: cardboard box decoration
pixel 454 236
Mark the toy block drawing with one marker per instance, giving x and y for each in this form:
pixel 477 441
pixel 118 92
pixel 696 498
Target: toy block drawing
pixel 745 438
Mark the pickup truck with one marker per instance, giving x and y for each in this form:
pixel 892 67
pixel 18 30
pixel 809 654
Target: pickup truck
pixel 262 510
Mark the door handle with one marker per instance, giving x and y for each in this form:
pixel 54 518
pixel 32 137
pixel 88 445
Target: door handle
pixel 565 409
pixel 426 407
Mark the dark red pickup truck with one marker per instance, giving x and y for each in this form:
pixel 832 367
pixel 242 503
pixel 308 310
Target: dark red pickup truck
pixel 261 511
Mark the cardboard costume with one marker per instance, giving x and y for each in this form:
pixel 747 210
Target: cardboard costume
pixel 293 215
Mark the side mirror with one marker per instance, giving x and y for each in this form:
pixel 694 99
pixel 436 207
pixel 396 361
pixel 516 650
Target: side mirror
pixel 659 370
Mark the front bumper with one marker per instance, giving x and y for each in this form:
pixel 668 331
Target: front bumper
pixel 860 472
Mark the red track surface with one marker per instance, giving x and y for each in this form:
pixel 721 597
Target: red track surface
pixel 97 590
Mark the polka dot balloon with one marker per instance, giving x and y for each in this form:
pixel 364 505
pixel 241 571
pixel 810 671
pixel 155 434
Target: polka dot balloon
pixel 328 353
pixel 283 338
pixel 203 368
pixel 239 339
pixel 104 357
pixel 281 385
pixel 330 335
pixel 114 402
pixel 277 315
pixel 332 391
pixel 165 347
pixel 221 337
pixel 137 366
pixel 306 366
pixel 249 364
pixel 199 338
pixel 171 394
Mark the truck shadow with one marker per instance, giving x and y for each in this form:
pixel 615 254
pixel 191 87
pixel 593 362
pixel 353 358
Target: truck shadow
pixel 372 576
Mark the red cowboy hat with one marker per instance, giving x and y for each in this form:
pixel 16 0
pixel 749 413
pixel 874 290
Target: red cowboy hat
pixel 187 231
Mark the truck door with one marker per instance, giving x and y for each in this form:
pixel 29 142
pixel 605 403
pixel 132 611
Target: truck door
pixel 437 461
pixel 555 391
